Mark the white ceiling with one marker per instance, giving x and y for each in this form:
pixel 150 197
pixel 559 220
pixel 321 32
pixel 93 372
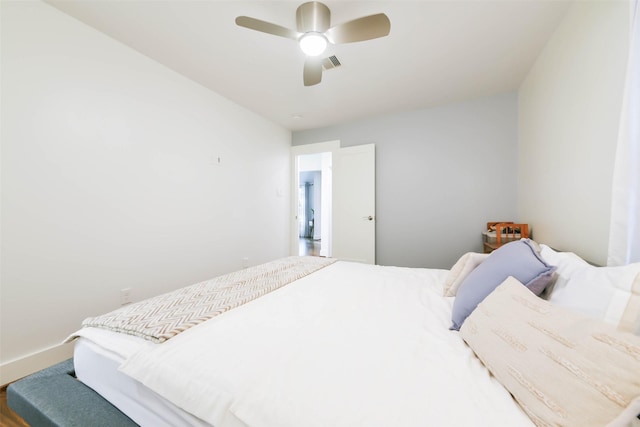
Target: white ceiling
pixel 438 52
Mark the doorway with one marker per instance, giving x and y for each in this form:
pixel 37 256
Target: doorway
pixel 312 158
pixel 345 217
pixel 314 204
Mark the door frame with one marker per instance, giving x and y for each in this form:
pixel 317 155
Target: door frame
pixel 298 150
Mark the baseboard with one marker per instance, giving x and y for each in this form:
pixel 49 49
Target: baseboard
pixel 27 365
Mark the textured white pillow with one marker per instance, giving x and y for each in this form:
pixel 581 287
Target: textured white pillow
pixel 562 368
pixel 460 271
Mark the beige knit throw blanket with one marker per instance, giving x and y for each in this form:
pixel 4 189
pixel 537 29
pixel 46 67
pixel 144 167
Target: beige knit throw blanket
pixel 163 317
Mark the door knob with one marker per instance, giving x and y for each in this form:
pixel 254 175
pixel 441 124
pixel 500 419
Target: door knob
pixel 370 218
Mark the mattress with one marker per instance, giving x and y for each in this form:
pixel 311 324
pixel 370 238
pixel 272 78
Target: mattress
pixel 349 345
pixel 97 368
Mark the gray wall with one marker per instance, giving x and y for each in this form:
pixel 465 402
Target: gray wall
pixel 441 174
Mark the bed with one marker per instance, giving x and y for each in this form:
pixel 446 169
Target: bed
pixel 336 343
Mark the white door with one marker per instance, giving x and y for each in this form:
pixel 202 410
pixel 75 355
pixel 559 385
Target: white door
pixel 354 225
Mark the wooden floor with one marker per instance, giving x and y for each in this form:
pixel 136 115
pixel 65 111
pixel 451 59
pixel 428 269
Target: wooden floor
pixel 308 247
pixel 8 418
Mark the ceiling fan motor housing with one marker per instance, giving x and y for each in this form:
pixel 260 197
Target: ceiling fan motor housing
pixel 313 16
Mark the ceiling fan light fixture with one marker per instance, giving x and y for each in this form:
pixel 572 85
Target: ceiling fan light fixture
pixel 313 44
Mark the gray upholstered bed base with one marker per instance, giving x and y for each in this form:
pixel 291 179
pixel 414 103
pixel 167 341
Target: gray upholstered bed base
pixel 54 397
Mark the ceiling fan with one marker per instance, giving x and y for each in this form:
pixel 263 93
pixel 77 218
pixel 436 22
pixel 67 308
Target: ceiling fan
pixel 313 32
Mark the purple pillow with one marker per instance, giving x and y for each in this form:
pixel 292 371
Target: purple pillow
pixel 518 259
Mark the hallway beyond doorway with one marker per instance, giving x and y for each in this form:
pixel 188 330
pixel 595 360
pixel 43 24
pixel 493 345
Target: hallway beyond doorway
pixel 308 247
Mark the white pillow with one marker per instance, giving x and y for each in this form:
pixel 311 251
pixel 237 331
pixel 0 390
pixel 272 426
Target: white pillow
pixel 460 271
pixel 611 294
pixel 627 302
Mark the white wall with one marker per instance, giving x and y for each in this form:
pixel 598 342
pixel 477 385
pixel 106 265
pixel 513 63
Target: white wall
pixel 569 107
pixel 441 174
pixel 110 180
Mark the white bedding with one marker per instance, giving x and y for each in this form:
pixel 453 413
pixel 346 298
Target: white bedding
pixel 98 369
pixel 350 345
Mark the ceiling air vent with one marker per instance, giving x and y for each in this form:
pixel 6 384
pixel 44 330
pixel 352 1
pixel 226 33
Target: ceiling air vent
pixel 330 62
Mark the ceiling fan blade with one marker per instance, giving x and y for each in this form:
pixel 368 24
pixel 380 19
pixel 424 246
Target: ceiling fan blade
pixel 312 71
pixel 266 27
pixel 361 29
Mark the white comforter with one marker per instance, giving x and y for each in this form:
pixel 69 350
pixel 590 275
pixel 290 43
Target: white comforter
pixel 350 345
